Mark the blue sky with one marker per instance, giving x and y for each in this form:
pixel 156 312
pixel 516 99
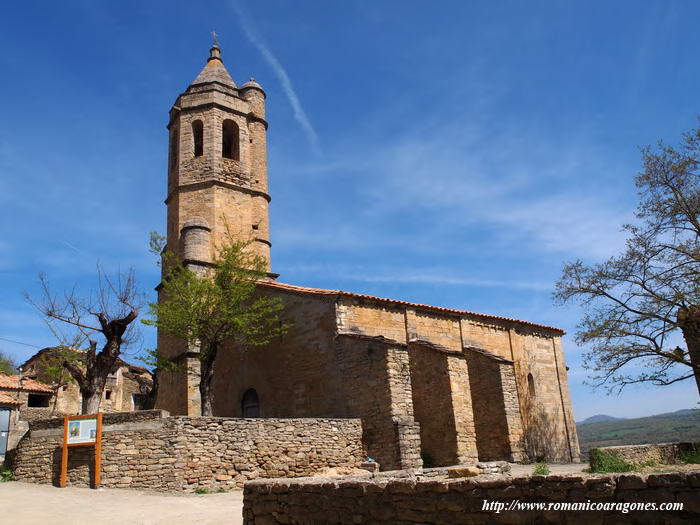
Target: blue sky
pixel 453 154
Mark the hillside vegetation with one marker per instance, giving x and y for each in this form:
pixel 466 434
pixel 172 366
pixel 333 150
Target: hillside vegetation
pixel 683 425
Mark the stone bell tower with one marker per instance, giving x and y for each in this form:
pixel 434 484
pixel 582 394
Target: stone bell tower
pixel 217 191
pixel 217 166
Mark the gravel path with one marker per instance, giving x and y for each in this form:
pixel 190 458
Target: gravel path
pixel 27 503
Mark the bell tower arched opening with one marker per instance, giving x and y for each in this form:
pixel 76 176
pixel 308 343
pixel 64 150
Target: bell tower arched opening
pixel 230 146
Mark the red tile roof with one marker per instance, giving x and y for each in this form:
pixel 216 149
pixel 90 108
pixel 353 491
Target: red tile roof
pixel 28 385
pixel 8 398
pixel 321 291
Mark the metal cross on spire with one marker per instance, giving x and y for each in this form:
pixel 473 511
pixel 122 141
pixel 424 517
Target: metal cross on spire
pixel 216 40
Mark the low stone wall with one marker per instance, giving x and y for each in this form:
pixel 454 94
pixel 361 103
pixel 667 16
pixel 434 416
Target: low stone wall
pixel 660 453
pixel 419 499
pixel 36 413
pixel 149 449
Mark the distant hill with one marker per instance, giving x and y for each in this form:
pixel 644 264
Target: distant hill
pixel 682 425
pixel 598 418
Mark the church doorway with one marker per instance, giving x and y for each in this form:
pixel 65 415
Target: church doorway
pixel 250 404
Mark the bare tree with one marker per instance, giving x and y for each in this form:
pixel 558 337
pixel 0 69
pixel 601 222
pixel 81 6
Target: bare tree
pixel 643 306
pixel 114 305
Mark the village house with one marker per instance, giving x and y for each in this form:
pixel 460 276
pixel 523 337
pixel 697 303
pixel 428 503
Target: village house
pixel 20 397
pixel 35 393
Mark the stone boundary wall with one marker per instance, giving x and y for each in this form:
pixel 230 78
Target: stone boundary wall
pixel 421 499
pixel 661 453
pixel 150 449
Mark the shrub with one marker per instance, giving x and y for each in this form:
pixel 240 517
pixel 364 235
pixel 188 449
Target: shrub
pixel 5 475
pixel 690 456
pixel 541 469
pixel 603 462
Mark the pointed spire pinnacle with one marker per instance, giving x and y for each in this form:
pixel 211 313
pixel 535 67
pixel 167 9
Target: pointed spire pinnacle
pixel 214 71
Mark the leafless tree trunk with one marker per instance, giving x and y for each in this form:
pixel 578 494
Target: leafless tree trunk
pixel 206 376
pixel 115 308
pixel 689 323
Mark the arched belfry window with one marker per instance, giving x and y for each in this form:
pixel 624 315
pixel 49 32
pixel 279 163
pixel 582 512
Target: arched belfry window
pixel 531 386
pixel 229 140
pixel 198 137
pixel 250 405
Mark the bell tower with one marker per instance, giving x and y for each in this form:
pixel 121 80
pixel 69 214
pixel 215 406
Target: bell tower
pixel 217 190
pixel 217 166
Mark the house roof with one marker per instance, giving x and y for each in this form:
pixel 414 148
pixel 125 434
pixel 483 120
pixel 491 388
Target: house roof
pixel 26 385
pixel 8 398
pixel 321 291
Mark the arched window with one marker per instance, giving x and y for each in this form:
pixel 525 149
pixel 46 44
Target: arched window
pixel 250 406
pixel 229 140
pixel 198 137
pixel 174 139
pixel 531 386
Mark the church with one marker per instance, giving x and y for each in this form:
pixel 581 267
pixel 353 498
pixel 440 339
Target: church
pixel 433 386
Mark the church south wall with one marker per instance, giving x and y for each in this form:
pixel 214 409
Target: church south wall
pixel 545 401
pixel 293 376
pixel 546 418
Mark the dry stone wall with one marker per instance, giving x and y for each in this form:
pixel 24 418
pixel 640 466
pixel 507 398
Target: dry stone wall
pixel 425 499
pixel 151 450
pixel 659 453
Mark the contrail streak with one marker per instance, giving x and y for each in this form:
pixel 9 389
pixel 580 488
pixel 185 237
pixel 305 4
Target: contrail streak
pixel 251 32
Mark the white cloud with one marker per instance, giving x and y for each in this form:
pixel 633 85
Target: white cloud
pixel 249 28
pixel 413 276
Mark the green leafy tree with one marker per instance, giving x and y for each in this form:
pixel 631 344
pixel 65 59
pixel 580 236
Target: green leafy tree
pixel 209 308
pixel 54 372
pixel 7 364
pixel 643 307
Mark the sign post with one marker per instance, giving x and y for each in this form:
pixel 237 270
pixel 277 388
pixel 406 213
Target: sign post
pixel 80 431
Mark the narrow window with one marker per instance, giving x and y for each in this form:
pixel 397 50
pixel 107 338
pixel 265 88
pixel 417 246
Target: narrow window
pixel 229 140
pixel 174 139
pixel 108 394
pixel 250 406
pixel 198 137
pixel 531 386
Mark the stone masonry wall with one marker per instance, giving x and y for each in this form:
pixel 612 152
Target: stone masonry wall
pixel 312 501
pixel 432 400
pixel 376 387
pixel 150 450
pixel 497 419
pixel 661 453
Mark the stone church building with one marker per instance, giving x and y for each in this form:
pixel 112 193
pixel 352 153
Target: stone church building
pixel 433 386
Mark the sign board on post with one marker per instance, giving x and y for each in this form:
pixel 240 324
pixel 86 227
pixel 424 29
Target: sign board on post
pixel 82 431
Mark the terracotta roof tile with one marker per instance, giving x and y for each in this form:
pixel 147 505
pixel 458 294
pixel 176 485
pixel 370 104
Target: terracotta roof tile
pixel 321 291
pixel 28 385
pixel 7 398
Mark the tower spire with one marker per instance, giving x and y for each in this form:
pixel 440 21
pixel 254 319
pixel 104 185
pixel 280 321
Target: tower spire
pixel 214 71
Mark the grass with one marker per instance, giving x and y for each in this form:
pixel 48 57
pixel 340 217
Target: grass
pixel 5 475
pixel 690 456
pixel 605 463
pixel 541 469
pixel 203 490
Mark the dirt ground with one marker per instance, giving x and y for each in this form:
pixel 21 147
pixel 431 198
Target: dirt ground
pixel 29 504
